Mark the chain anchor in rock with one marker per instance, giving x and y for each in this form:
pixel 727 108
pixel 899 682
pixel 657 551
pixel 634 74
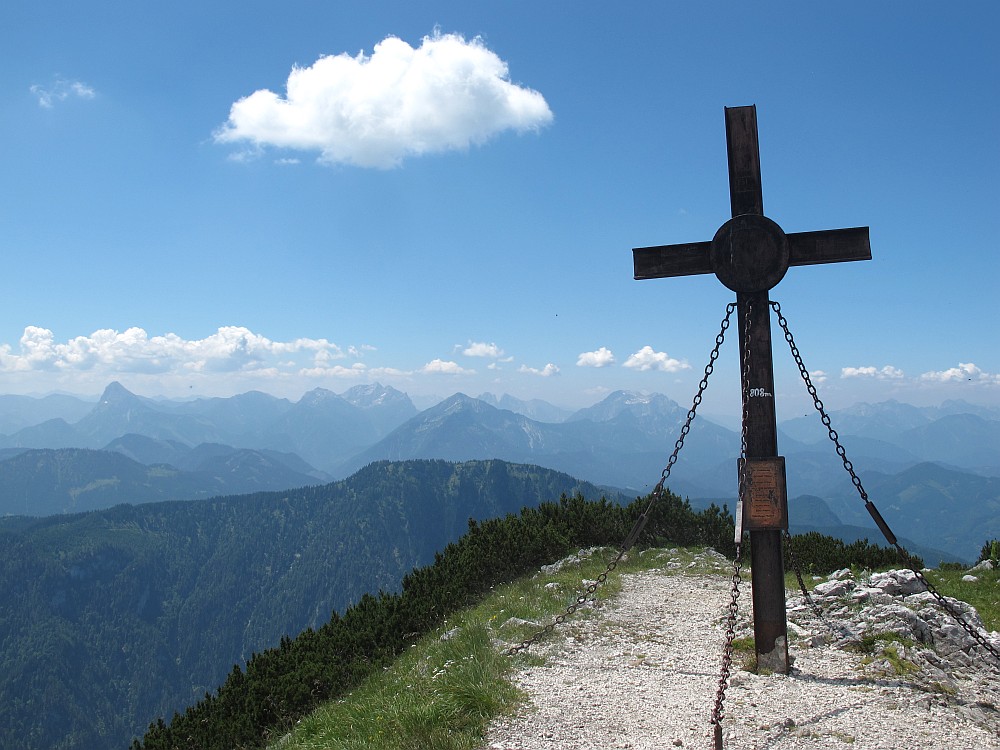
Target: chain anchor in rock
pixel 905 556
pixel 633 536
pixel 839 631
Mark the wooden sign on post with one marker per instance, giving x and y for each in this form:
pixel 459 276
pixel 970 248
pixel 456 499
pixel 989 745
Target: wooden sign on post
pixel 750 254
pixel 767 499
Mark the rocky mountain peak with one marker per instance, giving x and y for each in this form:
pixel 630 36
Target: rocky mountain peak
pixel 116 394
pixel 374 395
pixel 629 402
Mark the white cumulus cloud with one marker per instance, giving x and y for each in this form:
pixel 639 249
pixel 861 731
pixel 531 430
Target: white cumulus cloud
pixel 965 371
pixel 600 358
pixel 546 372
pixel 355 371
pixel 229 349
pixel 446 367
pixel 375 110
pixel 647 359
pixel 879 373
pixel 482 349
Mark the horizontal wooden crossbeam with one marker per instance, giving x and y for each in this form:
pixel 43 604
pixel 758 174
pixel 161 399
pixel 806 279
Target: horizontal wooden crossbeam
pixel 805 248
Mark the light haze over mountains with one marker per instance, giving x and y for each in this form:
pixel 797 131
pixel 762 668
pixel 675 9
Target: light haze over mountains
pixel 935 468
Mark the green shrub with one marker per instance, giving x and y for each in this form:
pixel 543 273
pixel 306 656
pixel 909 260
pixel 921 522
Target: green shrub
pixel 991 552
pixel 951 566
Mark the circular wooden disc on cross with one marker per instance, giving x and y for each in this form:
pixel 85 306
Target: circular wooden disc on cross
pixel 749 253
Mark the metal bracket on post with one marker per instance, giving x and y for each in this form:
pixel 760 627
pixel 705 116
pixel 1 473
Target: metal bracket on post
pixel 738 535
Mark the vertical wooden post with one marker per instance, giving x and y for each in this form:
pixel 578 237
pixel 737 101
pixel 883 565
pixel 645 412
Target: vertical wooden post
pixel 766 562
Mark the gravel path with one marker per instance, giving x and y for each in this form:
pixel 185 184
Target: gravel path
pixel 642 673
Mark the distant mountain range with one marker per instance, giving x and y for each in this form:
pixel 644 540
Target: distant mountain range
pixel 68 480
pixel 254 441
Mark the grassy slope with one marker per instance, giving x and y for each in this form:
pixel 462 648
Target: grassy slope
pixel 443 692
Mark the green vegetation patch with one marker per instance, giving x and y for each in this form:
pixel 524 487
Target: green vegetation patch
pixel 439 695
pixel 887 649
pixel 983 593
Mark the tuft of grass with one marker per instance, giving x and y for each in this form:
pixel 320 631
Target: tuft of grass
pixel 942 688
pixel 900 665
pixel 872 642
pixel 886 647
pixel 440 695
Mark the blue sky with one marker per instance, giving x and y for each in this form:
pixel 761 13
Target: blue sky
pixel 444 196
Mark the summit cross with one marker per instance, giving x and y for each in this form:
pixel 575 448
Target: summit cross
pixel 750 254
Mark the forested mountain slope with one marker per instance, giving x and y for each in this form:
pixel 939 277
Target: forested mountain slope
pixel 112 618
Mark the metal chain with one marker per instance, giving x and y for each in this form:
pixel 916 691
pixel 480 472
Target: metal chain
pixel 798 575
pixel 718 711
pixel 869 505
pixel 817 610
pixel 840 630
pixel 655 496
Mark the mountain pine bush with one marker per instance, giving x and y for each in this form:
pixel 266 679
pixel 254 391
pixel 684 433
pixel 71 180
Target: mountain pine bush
pixel 991 552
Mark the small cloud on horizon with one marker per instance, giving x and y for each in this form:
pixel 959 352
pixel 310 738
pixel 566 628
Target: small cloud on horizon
pixel 360 351
pixel 966 371
pixel 884 373
pixel 445 367
pixel 646 359
pixel 546 372
pixel 600 358
pixel 482 349
pixel 357 370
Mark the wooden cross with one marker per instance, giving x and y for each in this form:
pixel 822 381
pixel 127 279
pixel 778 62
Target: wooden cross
pixel 750 255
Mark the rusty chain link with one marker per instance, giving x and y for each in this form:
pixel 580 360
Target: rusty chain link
pixel 718 711
pixel 869 505
pixel 633 535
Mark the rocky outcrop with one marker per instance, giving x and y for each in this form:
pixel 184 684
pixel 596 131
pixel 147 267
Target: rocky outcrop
pixel 904 632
